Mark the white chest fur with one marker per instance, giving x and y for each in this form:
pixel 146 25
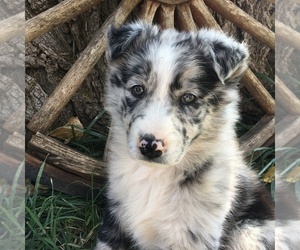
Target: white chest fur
pixel 161 213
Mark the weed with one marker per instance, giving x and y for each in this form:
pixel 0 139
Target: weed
pixel 12 206
pixel 55 220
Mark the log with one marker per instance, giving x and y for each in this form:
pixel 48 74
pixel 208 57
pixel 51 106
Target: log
pixel 166 16
pixel 230 11
pixel 15 144
pixel 287 34
pixel 202 16
pixel 6 160
pixel 270 141
pixel 60 13
pixel 294 142
pixel 249 80
pixel 12 27
pixel 52 107
pixel 287 130
pixel 61 180
pixel 148 10
pixel 184 17
pixel 65 157
pixel 258 92
pixel 258 135
pixel 283 121
pixel 286 97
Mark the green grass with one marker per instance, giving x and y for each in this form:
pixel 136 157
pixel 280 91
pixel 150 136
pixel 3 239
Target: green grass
pixel 12 207
pixel 55 220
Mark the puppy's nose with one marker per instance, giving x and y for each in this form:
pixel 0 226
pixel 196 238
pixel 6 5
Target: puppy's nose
pixel 151 147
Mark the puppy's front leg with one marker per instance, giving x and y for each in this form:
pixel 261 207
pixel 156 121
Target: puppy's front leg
pixel 102 246
pixel 109 235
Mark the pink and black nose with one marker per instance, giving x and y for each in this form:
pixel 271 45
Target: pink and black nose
pixel 151 147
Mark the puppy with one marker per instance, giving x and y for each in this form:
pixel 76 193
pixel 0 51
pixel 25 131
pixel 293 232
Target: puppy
pixel 176 176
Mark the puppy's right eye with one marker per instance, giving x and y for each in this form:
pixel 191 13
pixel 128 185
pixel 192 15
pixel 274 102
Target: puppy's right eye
pixel 188 98
pixel 138 91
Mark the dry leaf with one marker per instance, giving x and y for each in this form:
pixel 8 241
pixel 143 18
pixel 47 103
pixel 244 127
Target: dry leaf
pixel 66 132
pixel 269 176
pixel 293 175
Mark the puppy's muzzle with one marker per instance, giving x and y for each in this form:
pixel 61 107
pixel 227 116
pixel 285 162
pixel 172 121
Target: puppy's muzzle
pixel 151 147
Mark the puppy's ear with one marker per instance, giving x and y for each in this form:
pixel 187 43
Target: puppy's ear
pixel 230 58
pixel 127 37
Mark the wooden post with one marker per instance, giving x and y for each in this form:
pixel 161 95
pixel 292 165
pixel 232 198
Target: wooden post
pixel 230 11
pixel 12 27
pixel 287 34
pixel 52 107
pixel 259 93
pixel 65 157
pixel 259 134
pixel 287 130
pixel 202 16
pixel 185 19
pixel 55 16
pixel 166 16
pixel 286 97
pixel 148 10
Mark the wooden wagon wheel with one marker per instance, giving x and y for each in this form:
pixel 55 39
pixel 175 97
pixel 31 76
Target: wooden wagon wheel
pixel 190 15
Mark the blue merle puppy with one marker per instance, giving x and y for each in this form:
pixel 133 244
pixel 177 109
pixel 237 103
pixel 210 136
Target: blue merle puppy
pixel 177 178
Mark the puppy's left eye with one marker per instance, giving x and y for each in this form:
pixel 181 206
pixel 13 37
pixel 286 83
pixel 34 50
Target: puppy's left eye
pixel 188 98
pixel 137 91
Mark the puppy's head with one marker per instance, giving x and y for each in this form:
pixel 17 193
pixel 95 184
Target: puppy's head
pixel 170 91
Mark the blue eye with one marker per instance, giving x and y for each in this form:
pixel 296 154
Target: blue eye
pixel 188 98
pixel 137 91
